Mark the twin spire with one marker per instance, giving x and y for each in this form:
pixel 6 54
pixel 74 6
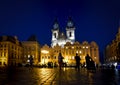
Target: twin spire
pixel 70 23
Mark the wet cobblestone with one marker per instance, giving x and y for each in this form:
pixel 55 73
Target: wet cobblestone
pixel 54 76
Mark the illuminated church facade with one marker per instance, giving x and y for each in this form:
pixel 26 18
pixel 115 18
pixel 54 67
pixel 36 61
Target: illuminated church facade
pixel 68 46
pixel 59 37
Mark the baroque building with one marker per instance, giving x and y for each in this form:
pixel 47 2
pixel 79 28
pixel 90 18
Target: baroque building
pixel 67 45
pixel 50 54
pixel 31 47
pixel 10 51
pixel 112 51
pixel 59 37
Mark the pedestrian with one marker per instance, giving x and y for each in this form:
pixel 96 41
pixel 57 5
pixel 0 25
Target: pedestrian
pixel 77 59
pixel 88 59
pixel 60 60
pixel 31 61
pixel 92 65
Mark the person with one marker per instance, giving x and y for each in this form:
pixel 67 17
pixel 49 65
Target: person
pixel 77 59
pixel 92 65
pixel 88 59
pixel 31 61
pixel 60 60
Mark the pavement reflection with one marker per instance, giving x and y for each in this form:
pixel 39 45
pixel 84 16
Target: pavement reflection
pixel 54 76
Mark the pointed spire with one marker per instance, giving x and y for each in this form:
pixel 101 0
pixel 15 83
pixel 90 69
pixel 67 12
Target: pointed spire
pixel 70 23
pixel 56 25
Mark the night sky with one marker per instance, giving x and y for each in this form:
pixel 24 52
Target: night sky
pixel 95 20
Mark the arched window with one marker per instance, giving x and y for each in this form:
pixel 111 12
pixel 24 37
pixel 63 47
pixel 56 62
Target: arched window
pixel 55 35
pixel 70 34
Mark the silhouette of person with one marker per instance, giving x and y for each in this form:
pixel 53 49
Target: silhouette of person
pixel 31 61
pixel 60 60
pixel 77 59
pixel 92 65
pixel 88 59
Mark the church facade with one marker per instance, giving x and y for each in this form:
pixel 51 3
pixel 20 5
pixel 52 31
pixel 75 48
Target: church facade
pixel 68 46
pixel 59 37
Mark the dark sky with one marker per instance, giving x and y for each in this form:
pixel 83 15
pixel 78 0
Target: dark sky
pixel 95 20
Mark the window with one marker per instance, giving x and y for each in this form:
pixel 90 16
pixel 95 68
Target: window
pixel 42 57
pixel 70 34
pixel 4 53
pixel 55 35
pixel 0 63
pixel 48 57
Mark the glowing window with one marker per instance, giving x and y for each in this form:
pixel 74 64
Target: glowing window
pixel 73 57
pixel 80 52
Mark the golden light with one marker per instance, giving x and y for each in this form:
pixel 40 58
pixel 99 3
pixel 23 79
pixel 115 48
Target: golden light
pixel 80 52
pixel 45 51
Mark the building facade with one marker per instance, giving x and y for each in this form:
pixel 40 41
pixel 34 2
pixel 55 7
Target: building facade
pixel 67 45
pixel 59 37
pixel 50 54
pixel 31 47
pixel 10 51
pixel 112 51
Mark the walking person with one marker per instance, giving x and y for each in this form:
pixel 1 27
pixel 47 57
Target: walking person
pixel 60 60
pixel 77 59
pixel 31 61
pixel 88 59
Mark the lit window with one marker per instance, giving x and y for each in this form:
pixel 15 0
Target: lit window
pixel 83 47
pixel 66 47
pixel 87 47
pixel 73 57
pixel 80 52
pixel 73 47
pixel 4 53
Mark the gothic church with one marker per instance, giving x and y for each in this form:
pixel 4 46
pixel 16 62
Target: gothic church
pixel 60 38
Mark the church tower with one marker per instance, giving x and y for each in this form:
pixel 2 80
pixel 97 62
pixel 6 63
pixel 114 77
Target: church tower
pixel 70 31
pixel 55 33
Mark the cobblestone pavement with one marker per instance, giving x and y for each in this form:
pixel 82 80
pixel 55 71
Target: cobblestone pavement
pixel 54 76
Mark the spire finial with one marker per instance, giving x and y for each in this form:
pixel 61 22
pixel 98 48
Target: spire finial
pixel 70 22
pixel 55 25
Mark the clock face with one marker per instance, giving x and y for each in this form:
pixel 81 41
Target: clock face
pixel 55 26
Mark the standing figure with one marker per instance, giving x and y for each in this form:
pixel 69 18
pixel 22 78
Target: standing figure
pixel 77 59
pixel 88 59
pixel 60 60
pixel 31 61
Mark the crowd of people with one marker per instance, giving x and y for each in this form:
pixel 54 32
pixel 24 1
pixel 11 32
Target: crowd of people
pixel 90 64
